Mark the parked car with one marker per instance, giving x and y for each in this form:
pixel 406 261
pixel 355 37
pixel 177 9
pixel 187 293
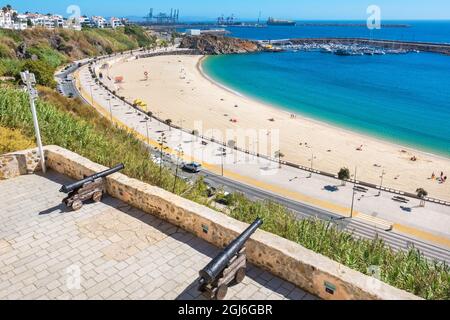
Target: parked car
pixel 193 167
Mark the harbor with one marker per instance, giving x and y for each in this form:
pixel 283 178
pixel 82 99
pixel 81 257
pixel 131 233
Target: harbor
pixel 356 46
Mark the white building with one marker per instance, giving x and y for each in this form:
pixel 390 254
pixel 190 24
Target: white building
pixel 6 18
pixel 193 32
pixel 85 21
pixel 115 23
pixel 99 22
pixel 10 19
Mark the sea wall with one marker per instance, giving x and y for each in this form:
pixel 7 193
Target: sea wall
pixel 306 269
pixel 386 44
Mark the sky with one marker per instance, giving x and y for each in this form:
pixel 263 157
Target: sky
pixel 247 9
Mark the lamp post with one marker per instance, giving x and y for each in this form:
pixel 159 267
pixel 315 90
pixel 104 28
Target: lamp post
pixel 381 182
pixel 181 127
pixel 30 80
pixel 110 109
pixel 162 141
pixel 92 95
pixel 312 164
pixel 180 154
pixel 353 196
pixel 223 153
pixel 146 128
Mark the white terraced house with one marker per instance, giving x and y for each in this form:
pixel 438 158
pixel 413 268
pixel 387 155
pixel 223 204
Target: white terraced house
pixel 99 22
pixel 9 19
pixel 115 23
pixel 46 21
pixel 85 21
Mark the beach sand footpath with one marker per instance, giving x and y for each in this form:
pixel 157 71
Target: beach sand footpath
pixel 176 89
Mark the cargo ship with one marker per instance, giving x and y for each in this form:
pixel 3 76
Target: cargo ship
pixel 276 22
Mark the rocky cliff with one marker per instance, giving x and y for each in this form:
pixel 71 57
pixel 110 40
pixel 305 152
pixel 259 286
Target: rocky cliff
pixel 214 45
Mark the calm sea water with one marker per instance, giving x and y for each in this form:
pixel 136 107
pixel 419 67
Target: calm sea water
pixel 402 98
pixel 425 31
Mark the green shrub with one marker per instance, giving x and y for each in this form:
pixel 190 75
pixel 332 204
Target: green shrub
pixel 10 67
pixel 11 34
pixel 43 71
pixel 12 140
pixel 48 55
pixel 5 52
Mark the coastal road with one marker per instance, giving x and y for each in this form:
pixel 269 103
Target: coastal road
pixel 359 228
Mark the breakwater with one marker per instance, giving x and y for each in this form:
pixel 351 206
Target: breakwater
pixel 441 48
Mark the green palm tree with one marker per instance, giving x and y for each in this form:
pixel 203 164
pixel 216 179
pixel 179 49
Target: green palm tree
pixel 279 155
pixel 344 174
pixel 169 122
pixel 422 193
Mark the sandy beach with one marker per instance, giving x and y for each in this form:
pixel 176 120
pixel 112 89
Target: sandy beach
pixel 176 89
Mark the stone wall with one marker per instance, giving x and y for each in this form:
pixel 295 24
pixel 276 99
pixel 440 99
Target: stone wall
pixel 308 270
pixel 19 163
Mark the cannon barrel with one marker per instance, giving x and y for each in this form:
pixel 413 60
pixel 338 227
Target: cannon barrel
pixel 76 185
pixel 219 263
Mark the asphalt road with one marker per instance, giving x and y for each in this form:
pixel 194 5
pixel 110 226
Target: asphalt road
pixel 358 228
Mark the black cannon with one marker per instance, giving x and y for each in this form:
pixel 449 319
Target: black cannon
pixel 92 187
pixel 230 265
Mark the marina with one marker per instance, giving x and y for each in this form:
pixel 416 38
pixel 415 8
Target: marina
pixel 356 46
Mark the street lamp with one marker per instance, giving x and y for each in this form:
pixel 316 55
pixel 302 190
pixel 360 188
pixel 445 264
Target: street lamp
pixel 92 95
pixel 29 79
pixel 110 109
pixel 146 127
pixel 162 141
pixel 181 127
pixel 381 182
pixel 312 164
pixel 353 196
pixel 180 154
pixel 223 153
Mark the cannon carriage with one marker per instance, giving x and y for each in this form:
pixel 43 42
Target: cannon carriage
pixel 92 187
pixel 227 268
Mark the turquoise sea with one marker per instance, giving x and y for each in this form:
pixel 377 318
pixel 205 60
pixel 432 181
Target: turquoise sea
pixel 401 98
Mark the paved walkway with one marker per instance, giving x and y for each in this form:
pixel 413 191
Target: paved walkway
pixel 430 223
pixel 118 251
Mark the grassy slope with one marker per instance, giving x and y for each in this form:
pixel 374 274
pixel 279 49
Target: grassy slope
pixel 56 47
pixel 13 140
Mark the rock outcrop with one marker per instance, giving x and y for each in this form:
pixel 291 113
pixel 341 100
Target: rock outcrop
pixel 215 45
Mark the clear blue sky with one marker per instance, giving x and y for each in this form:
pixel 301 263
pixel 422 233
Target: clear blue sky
pixel 248 9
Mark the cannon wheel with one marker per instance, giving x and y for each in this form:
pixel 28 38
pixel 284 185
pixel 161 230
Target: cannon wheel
pixel 77 205
pixel 221 292
pixel 240 275
pixel 97 197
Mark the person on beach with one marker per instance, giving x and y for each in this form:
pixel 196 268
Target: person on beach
pixel 433 176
